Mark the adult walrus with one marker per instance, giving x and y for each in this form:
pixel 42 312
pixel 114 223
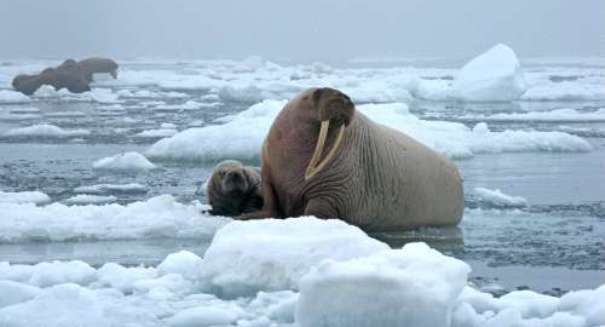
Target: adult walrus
pixel 68 75
pixel 94 65
pixel 370 175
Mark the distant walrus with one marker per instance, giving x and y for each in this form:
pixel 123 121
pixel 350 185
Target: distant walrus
pixel 372 176
pixel 94 65
pixel 68 75
pixel 234 189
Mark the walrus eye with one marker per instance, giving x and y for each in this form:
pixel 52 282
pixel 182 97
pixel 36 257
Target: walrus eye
pixel 313 167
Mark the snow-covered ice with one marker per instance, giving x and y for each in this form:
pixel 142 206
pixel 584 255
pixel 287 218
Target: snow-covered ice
pixel 498 198
pixel 413 286
pixel 87 199
pixel 46 130
pixel 327 274
pixel 112 188
pixel 495 75
pixel 557 115
pixel 248 129
pixel 158 217
pixel 8 96
pixel 129 161
pixel 272 254
pixel 24 197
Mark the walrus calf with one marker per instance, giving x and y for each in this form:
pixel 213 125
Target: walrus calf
pixel 234 189
pixel 372 176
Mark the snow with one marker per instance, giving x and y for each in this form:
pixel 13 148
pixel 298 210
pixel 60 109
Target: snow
pixel 46 130
pixel 345 293
pixel 248 129
pixel 86 198
pixel 8 96
pixel 112 188
pixel 129 161
pixel 158 217
pixel 273 254
pixel 122 278
pixel 495 75
pixel 36 197
pixel 498 198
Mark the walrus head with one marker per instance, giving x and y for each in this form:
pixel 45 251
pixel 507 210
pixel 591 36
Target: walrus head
pixel 336 109
pixel 232 177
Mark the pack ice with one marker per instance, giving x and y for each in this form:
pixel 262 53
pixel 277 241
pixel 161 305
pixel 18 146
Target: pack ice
pixel 294 272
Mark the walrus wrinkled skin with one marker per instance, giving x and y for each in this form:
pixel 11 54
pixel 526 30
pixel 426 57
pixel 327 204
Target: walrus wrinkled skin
pixel 234 189
pixel 370 175
pixel 72 75
pixel 94 65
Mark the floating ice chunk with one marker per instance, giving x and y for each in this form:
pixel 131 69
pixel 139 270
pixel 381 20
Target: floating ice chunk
pixel 24 197
pixel 88 199
pixel 47 274
pixel 18 116
pixel 586 303
pixel 160 132
pixel 492 76
pixel 102 95
pixel 70 305
pixel 272 254
pixel 46 130
pixel 418 286
pixel 184 263
pixel 203 316
pixel 498 198
pixel 112 188
pixel 565 91
pixel 13 293
pixel 122 278
pixel 129 161
pixel 246 131
pixel 8 96
pixel 558 115
pixel 157 217
pixel 173 283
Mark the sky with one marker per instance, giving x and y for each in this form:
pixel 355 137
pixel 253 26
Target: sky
pixel 309 30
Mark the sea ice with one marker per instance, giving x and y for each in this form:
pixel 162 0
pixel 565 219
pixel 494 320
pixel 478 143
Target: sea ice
pixel 46 130
pixel 8 96
pixel 112 188
pixel 129 161
pixel 495 75
pixel 417 286
pixel 498 198
pixel 24 197
pixel 158 217
pixel 557 115
pixel 273 254
pixel 87 199
pixel 248 129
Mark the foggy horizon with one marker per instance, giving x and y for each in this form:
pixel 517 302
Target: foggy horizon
pixel 314 30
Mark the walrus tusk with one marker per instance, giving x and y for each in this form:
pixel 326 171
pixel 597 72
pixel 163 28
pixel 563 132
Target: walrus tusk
pixel 313 168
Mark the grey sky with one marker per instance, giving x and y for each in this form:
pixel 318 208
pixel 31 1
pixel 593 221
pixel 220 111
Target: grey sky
pixel 299 30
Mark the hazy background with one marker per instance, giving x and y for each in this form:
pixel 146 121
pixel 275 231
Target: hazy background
pixel 299 30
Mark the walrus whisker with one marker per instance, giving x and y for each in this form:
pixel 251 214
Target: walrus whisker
pixel 312 170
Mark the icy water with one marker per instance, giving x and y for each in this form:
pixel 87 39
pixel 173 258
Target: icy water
pixel 554 243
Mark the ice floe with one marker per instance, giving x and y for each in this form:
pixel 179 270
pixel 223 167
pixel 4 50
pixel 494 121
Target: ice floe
pixel 128 161
pixel 36 197
pixel 498 198
pixel 495 75
pixel 158 217
pixel 46 130
pixel 248 129
pixel 112 188
pixel 8 96
pixel 271 255
pixel 557 115
pixel 365 284
pixel 88 199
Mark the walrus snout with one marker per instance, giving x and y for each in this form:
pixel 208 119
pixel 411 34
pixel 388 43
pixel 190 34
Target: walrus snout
pixel 233 181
